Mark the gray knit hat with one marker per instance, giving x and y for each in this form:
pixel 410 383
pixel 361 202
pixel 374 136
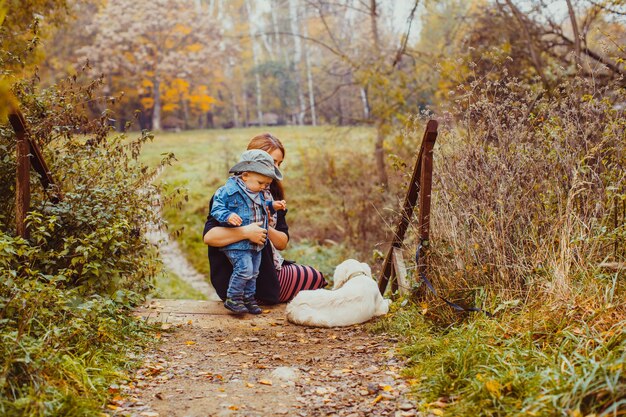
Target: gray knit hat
pixel 259 161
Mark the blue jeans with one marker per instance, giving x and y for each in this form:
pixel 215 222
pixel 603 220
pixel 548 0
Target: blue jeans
pixel 245 271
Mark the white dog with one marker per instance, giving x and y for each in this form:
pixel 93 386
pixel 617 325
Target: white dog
pixel 354 299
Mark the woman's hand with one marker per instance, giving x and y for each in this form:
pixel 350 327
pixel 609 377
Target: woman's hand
pixel 255 233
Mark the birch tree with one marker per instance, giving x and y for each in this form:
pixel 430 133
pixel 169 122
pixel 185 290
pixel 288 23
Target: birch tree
pixel 297 57
pixel 256 60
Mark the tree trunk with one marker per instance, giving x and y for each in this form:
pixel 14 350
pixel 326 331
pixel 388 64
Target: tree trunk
pixel 573 21
pixel 185 106
pixel 255 59
pixel 293 16
pixel 366 105
pixel 534 55
pixel 156 110
pixel 379 151
pixel 374 24
pixel 379 154
pixel 246 115
pixel 309 76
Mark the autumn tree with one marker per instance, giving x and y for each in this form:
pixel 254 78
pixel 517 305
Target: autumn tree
pixel 147 46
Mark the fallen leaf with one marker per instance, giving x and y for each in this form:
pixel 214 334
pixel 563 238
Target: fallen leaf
pixel 190 342
pixel 493 387
pixel 265 382
pixel 249 385
pixel 387 388
pixel 112 407
pixel 436 411
pixel 266 311
pixel 424 308
pixel 190 322
pixel 377 399
pixel 233 407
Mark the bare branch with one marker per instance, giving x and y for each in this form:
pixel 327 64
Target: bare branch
pixel 402 48
pixel 609 9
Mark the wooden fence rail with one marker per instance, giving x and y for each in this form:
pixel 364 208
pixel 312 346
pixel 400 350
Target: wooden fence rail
pixel 28 153
pixel 420 186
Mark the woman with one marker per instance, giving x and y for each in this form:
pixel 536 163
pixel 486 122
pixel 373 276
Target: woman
pixel 279 280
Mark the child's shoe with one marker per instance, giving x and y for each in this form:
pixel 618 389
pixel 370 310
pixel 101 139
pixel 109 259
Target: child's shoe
pixel 236 306
pixel 251 306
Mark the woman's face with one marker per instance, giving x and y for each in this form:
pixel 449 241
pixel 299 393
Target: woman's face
pixel 277 155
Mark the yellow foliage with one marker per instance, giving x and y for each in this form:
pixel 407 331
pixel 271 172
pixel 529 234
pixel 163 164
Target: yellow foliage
pixel 184 29
pixel 195 47
pixel 147 102
pixel 146 83
pixel 8 101
pixel 200 100
pixel 3 11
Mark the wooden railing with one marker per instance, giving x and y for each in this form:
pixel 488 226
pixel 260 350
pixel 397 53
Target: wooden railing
pixel 28 153
pixel 419 187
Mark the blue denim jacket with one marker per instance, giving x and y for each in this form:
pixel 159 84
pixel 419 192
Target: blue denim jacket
pixel 230 198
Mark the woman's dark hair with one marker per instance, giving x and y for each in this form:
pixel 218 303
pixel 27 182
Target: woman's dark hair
pixel 269 143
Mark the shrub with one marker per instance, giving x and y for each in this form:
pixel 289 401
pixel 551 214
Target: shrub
pixel 64 304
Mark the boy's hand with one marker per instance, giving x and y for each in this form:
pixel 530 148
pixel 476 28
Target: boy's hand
pixel 280 205
pixel 234 219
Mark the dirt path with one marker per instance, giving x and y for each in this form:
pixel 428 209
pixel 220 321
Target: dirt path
pixel 214 364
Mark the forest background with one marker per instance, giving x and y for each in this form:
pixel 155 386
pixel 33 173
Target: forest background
pixel 529 199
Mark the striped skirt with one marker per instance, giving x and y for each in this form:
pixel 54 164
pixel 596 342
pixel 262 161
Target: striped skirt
pixel 293 278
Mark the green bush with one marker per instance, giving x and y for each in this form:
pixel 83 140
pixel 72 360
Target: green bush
pixel 66 292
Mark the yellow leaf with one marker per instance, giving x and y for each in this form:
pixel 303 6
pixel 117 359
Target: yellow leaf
pixel 436 411
pixel 3 12
pixel 265 382
pixel 233 407
pixel 387 388
pixel 249 385
pixel 493 387
pixel 377 399
pixel 190 342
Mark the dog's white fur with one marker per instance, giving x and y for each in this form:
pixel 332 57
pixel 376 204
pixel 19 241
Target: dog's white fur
pixel 354 299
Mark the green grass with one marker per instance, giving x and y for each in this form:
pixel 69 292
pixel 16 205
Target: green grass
pixel 510 367
pixel 203 158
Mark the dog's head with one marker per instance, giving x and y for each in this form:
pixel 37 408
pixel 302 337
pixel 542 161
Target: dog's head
pixel 348 269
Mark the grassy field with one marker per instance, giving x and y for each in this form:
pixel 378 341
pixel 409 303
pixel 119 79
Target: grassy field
pixel 203 158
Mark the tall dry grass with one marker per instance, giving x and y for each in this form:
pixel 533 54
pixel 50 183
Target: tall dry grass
pixel 530 190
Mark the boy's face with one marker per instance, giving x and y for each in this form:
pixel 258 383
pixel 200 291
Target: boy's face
pixel 256 182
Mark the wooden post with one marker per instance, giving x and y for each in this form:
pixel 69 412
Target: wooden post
pixel 22 183
pixel 426 181
pixel 27 150
pixel 428 141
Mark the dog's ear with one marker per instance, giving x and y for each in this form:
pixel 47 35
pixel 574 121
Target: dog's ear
pixel 343 271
